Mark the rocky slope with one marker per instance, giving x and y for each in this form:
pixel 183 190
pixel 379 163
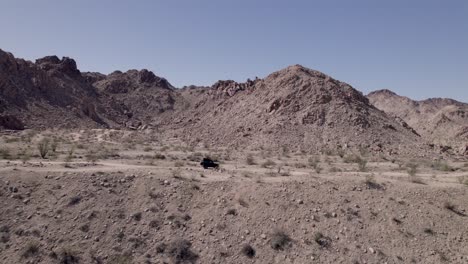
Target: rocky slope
pixel 295 108
pixel 52 92
pixel 439 120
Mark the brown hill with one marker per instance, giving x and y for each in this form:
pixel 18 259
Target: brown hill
pixel 439 120
pixel 52 92
pixel 295 107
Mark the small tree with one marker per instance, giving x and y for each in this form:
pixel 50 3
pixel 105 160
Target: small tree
pixel 43 147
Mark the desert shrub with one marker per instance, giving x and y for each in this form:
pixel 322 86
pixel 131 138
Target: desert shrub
pixel 428 231
pixel 84 228
pixel 322 240
pixel 362 163
pixel 441 165
pixel 451 207
pixel 280 240
pixel 248 251
pixel 74 200
pixel 25 156
pixel 231 211
pixel 155 223
pixel 180 252
pixel 371 183
pixel 412 169
pixel 159 156
pixel 249 159
pixel 147 149
pixel 318 169
pixel 68 256
pixel 31 250
pixel 43 147
pixel 137 216
pixel 284 173
pixel 92 156
pixel 54 145
pixel 285 151
pixel 5 153
pixel 268 164
pixel 300 165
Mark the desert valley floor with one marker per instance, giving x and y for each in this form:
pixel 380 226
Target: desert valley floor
pixel 120 196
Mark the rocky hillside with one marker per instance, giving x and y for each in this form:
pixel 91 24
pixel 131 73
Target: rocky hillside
pixel 439 120
pixel 296 107
pixel 52 92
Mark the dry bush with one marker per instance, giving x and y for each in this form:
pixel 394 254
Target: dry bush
pixel 5 153
pixel 248 251
pixel 54 145
pixel 31 250
pixel 43 147
pixel 441 165
pixel 74 200
pixel 68 256
pixel 322 240
pixel 412 169
pixel 371 183
pixel 280 240
pixel 147 149
pixel 451 207
pixel 249 160
pixel 180 252
pixel 268 164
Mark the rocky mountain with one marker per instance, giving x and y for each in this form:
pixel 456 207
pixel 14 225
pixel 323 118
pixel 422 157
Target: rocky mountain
pixel 52 92
pixel 296 108
pixel 439 120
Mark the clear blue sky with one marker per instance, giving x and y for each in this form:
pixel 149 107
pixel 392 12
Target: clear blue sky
pixel 417 48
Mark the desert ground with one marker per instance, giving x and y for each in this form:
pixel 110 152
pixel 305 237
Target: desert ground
pixel 122 196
